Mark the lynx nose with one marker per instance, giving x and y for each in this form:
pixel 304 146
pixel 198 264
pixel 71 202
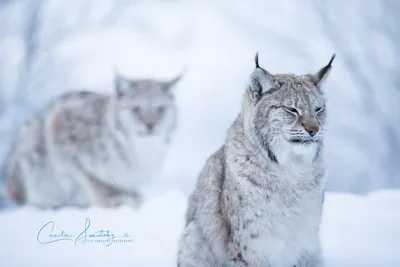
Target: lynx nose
pixel 311 128
pixel 150 125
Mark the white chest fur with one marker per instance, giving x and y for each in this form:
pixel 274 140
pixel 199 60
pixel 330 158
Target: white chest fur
pixel 279 237
pixel 131 162
pixel 279 225
pixel 148 153
pixel 290 154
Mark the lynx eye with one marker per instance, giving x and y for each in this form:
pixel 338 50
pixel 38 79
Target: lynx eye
pixel 318 110
pixel 161 109
pixel 137 110
pixel 291 110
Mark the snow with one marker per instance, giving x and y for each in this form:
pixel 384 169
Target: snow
pixel 81 41
pixel 357 231
pixel 362 230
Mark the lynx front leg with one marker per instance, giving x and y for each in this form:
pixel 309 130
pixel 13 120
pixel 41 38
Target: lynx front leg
pixel 310 260
pixel 106 195
pixel 194 250
pixel 132 199
pixel 236 257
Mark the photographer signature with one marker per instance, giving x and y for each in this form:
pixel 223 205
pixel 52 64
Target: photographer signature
pixel 47 235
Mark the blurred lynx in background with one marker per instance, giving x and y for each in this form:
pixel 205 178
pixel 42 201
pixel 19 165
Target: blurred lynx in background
pixel 87 148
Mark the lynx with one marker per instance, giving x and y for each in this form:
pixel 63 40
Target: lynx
pixel 88 148
pixel 258 200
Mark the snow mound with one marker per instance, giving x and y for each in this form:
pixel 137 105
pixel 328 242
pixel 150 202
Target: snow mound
pixel 357 231
pixel 152 241
pixel 362 230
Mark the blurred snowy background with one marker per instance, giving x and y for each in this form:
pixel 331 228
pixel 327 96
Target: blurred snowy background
pixel 48 47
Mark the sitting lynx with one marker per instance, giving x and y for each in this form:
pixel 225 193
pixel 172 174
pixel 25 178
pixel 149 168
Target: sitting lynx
pixel 258 200
pixel 87 148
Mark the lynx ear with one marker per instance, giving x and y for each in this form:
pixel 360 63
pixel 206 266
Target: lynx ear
pixel 261 81
pixel 121 84
pixel 171 83
pixel 323 73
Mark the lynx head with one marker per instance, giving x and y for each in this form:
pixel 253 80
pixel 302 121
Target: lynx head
pixel 286 112
pixel 147 106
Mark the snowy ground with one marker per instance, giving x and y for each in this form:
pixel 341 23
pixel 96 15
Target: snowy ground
pixel 357 231
pixel 217 41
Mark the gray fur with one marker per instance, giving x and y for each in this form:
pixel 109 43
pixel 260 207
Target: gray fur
pixel 87 148
pixel 258 199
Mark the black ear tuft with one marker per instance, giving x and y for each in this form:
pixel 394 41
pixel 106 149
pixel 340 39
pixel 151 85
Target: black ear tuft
pixel 256 60
pixel 330 61
pixel 321 75
pixel 261 81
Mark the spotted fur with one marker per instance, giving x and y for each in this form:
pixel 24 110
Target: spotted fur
pixel 258 199
pixel 87 148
